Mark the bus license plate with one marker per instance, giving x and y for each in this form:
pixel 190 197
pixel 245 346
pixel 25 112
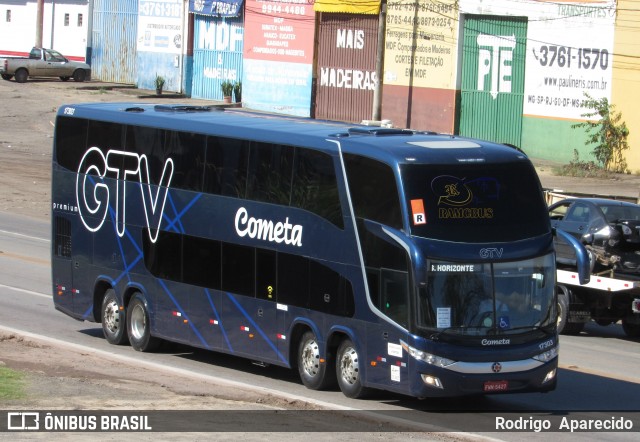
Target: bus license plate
pixel 496 385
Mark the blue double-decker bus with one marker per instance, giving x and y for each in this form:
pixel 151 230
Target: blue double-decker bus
pixel 364 257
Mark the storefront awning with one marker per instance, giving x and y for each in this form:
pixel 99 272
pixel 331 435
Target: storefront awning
pixel 217 8
pixel 348 6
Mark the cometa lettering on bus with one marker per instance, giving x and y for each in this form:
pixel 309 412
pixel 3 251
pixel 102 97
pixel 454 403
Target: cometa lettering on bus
pixel 266 230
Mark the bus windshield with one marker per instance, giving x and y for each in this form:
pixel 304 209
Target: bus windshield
pixel 475 202
pixel 485 299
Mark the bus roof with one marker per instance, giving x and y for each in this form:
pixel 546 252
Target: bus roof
pixel 388 145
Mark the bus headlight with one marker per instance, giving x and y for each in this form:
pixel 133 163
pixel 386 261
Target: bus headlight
pixel 548 355
pixel 429 358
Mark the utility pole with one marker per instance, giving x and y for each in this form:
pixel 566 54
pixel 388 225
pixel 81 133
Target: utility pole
pixel 39 23
pixel 377 93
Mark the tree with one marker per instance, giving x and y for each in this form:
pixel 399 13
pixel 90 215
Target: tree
pixel 608 134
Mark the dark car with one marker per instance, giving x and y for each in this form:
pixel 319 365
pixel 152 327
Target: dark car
pixel 609 229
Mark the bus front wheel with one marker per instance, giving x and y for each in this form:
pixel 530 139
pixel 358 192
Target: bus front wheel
pixel 138 325
pixel 349 372
pixel 313 371
pixel 113 319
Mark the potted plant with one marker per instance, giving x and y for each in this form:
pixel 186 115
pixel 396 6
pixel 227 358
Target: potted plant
pixel 159 84
pixel 227 90
pixel 237 91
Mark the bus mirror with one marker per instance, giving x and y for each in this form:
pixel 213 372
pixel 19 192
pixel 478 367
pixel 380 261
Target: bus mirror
pixel 582 256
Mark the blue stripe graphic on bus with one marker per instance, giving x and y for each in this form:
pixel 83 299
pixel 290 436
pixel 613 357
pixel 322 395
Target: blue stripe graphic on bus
pixel 183 313
pixel 253 324
pixel 179 215
pixel 220 324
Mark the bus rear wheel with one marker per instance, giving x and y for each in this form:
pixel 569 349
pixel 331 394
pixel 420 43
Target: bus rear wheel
pixel 138 325
pixel 313 371
pixel 348 371
pixel 113 319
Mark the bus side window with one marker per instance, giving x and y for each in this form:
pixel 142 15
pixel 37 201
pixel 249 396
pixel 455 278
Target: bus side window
pixel 188 155
pixel 150 142
pixel 226 167
pixel 266 274
pixel 164 257
pixel 293 280
pixel 71 141
pixel 373 189
pixel 315 187
pixel 329 292
pixel 201 261
pixel 238 269
pixel 269 173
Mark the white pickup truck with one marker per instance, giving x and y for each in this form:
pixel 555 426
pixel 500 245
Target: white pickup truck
pixel 43 63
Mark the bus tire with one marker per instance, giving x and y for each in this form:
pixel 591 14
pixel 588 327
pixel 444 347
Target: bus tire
pixel 113 319
pixel 348 371
pixel 314 373
pixel 138 325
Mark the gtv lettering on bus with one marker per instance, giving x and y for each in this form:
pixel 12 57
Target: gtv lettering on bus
pixel 266 230
pixel 93 195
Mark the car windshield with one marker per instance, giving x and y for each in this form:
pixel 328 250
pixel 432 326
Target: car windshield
pixel 475 202
pixel 614 213
pixel 486 299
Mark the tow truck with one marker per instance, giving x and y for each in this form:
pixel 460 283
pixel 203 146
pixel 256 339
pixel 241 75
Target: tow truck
pixel 606 299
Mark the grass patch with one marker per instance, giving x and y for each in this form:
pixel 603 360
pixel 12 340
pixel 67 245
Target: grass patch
pixel 583 169
pixel 11 384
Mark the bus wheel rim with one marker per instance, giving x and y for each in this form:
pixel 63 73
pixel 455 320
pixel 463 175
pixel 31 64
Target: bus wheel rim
pixel 349 370
pixel 138 322
pixel 311 358
pixel 112 316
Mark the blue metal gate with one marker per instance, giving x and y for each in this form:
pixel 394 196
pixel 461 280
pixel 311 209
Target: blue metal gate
pixel 115 28
pixel 217 54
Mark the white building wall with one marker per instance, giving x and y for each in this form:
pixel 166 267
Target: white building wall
pixel 18 25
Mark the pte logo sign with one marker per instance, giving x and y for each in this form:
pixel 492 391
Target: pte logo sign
pixel 94 197
pixel 495 60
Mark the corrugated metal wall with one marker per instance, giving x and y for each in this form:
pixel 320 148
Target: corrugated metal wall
pixel 115 28
pixel 217 54
pixel 491 96
pixel 345 81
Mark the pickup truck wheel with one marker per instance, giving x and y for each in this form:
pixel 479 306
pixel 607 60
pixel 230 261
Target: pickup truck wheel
pixel 64 78
pixel 79 75
pixel 7 77
pixel 21 75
